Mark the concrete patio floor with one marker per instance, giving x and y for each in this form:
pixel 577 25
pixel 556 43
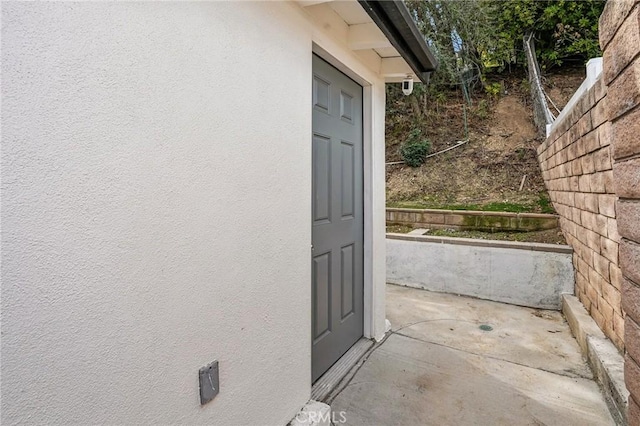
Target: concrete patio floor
pixel 438 367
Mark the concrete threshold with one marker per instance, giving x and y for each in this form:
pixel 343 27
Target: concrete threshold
pixel 316 411
pixel 604 359
pixel 338 371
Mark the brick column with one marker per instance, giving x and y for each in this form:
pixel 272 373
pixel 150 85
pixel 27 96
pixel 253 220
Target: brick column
pixel 620 41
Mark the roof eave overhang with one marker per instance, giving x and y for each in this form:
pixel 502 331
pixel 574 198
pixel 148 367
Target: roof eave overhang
pixel 394 20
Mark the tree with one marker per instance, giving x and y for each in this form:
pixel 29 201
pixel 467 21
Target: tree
pixel 565 30
pixel 458 32
pixel 469 36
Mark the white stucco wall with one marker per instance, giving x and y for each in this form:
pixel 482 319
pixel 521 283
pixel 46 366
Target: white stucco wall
pixel 156 210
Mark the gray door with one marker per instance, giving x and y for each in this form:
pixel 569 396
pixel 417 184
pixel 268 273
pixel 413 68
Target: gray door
pixel 337 230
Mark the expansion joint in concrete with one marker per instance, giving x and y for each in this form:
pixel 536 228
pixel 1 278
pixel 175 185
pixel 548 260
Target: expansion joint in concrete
pixel 570 375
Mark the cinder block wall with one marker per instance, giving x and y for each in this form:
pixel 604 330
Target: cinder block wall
pixel 591 166
pixel 576 162
pixel 620 40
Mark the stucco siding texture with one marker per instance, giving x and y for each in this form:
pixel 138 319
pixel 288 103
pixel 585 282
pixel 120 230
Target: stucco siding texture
pixel 155 212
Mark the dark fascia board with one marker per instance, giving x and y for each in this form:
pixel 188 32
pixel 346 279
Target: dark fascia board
pixel 394 20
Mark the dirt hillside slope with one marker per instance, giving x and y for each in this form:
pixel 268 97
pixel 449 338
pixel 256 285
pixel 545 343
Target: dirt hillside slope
pixel 488 171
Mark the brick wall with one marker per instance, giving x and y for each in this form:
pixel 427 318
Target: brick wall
pixel 576 162
pixel 591 166
pixel 620 41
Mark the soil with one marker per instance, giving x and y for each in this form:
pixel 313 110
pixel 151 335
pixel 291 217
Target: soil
pixel 552 236
pixel 491 167
pixel 561 85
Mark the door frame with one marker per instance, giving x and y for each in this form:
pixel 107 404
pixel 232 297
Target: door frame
pixel 373 198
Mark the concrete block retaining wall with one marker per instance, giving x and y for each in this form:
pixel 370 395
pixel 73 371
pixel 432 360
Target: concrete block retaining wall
pixel 620 41
pixel 526 274
pixel 466 219
pixel 576 162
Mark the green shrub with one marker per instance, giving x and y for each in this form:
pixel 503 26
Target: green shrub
pixel 482 110
pixel 545 203
pixel 494 90
pixel 415 149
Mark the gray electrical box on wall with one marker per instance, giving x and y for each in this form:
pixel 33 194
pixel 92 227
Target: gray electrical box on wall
pixel 209 380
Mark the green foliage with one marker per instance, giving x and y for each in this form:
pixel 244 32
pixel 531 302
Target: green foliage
pixel 469 37
pixel 493 90
pixel 565 30
pixel 440 98
pixel 415 149
pixel 525 87
pixel 458 32
pixel 505 207
pixel 489 207
pixel 545 204
pixel 482 109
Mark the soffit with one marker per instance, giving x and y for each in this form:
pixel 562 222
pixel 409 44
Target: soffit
pixel 348 20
